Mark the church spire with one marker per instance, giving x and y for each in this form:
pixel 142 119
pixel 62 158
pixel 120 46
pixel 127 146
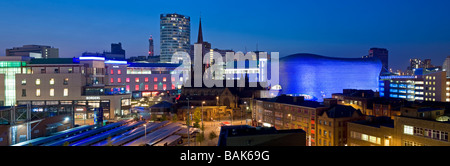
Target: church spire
pixel 200 34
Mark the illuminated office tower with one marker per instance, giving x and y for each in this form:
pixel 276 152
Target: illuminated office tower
pixel 175 30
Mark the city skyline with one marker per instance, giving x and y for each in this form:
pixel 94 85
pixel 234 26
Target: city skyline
pixel 408 29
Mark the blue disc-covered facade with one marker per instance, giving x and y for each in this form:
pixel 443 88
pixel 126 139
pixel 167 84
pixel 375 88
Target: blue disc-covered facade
pixel 317 77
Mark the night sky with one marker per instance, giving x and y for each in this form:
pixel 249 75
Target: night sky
pixel 407 28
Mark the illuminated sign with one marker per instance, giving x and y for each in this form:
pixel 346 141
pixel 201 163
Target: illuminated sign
pixel 92 97
pixel 115 62
pixel 92 58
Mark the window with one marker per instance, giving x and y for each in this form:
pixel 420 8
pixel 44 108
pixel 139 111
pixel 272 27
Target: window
pixel 173 86
pixel 66 81
pixel 24 81
pixel 173 79
pixel 146 87
pixel 119 72
pixel 364 137
pixel 52 92
pixel 136 87
pixel 66 92
pixel 155 79
pixel 128 88
pixel 112 80
pixel 164 87
pixel 408 130
pixel 128 80
pixel 24 92
pixel 38 92
pixel 155 87
pixel 119 80
pixel 136 79
pixel 146 79
pixel 70 70
pixel 112 71
pixel 164 79
pixel 38 81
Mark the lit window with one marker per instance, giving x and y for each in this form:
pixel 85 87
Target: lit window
pixel 364 137
pixel 38 92
pixel 155 87
pixel 52 92
pixel 173 79
pixel 146 79
pixel 136 87
pixel 24 82
pixel 128 79
pixel 155 79
pixel 119 72
pixel 112 71
pixel 408 130
pixel 164 87
pixel 112 80
pixel 173 86
pixel 128 88
pixel 119 80
pixel 66 81
pixel 38 81
pixel 146 87
pixel 66 92
pixel 164 79
pixel 136 79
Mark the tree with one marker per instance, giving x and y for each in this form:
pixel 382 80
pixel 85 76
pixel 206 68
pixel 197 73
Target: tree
pixel 109 141
pixel 212 135
pixel 197 118
pixel 174 118
pixel 66 143
pixel 163 118
pixel 200 137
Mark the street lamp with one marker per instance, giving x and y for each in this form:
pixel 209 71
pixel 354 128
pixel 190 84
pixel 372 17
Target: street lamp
pixel 145 131
pixel 189 120
pixel 202 114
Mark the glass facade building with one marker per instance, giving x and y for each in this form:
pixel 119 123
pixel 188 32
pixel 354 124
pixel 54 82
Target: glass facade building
pixel 175 30
pixel 9 69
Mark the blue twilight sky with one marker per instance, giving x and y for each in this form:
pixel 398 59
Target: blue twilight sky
pixel 337 28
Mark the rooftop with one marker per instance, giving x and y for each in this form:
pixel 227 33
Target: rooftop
pixel 153 65
pixel 377 122
pixel 299 101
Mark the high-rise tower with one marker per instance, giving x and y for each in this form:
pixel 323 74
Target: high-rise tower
pixel 175 32
pixel 383 55
pixel 150 47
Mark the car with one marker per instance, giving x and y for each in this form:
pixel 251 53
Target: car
pixel 225 124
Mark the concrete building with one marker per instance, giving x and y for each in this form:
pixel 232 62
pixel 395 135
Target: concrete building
pixel 358 99
pixel 418 125
pixel 383 55
pixel 35 51
pixel 447 90
pixel 175 30
pixel 332 124
pixel 425 85
pixel 446 66
pixel 288 112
